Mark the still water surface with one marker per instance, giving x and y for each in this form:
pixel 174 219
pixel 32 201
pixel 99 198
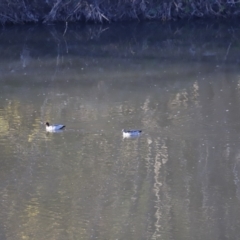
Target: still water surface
pixel 178 180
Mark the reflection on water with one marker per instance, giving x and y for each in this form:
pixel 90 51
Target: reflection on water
pixel 178 180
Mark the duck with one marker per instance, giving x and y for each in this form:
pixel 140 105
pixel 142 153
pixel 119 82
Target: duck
pixel 54 128
pixel 131 133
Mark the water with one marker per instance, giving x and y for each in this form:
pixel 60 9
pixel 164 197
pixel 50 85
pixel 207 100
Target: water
pixel 179 83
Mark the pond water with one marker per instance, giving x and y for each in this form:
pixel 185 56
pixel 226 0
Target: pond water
pixel 178 82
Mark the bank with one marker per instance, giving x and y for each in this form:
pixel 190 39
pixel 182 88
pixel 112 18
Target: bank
pixel 97 11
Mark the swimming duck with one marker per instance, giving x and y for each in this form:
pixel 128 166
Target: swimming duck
pixel 131 133
pixel 54 128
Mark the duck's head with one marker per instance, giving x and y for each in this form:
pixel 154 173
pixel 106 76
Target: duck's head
pixel 47 124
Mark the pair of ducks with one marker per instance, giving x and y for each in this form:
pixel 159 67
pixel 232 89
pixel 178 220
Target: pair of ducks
pixel 60 127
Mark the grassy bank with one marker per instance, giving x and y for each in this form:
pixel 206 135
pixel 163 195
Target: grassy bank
pixel 22 11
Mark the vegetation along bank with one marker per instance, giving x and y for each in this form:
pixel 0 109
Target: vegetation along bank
pixel 22 11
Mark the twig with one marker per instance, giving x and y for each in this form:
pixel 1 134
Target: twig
pixel 105 17
pixel 52 12
pixel 7 17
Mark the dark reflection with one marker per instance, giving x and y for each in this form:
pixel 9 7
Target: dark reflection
pixel 199 41
pixel 177 83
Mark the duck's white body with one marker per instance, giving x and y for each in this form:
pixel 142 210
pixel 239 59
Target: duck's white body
pixel 54 128
pixel 131 133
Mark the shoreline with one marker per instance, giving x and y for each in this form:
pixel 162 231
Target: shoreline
pixel 49 11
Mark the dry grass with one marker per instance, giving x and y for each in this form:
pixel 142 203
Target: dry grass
pixel 21 11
